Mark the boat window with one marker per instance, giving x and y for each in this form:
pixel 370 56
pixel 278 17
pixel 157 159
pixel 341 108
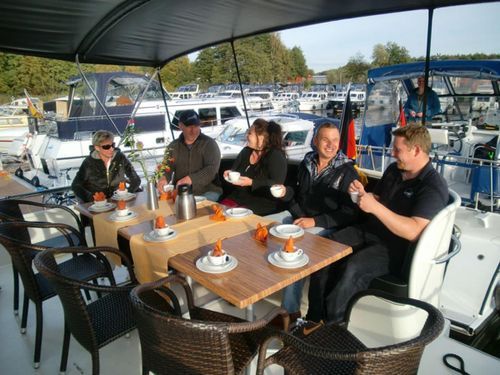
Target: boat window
pixel 295 138
pixel 227 113
pixel 208 116
pixel 383 103
pixel 83 100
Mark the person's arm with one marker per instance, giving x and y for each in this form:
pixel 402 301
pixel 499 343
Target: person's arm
pixel 276 173
pixel 346 212
pixel 133 177
pixel 78 183
pixel 434 104
pixel 211 163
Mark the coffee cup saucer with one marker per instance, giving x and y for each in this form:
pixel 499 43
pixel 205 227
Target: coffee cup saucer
pixel 276 260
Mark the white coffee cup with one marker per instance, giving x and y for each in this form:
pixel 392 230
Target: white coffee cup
pixel 121 192
pixel 162 232
pixel 276 191
pixel 217 260
pixel 234 176
pixel 100 203
pixel 168 187
pixel 354 196
pixel 123 212
pixel 291 256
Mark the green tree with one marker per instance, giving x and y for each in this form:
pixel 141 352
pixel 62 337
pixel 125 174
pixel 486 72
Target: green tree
pixel 356 69
pixel 298 66
pixel 177 73
pixel 389 54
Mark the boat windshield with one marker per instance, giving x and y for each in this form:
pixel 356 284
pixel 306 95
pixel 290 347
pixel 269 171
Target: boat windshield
pixel 234 134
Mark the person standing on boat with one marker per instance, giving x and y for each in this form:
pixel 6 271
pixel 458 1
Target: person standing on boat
pixel 410 193
pixel 197 159
pixel 261 164
pixel 104 169
pixel 320 202
pixel 414 106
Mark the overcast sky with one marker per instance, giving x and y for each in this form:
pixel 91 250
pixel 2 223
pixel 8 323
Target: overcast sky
pixel 464 29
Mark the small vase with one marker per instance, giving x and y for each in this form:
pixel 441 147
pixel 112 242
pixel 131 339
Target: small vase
pixel 152 196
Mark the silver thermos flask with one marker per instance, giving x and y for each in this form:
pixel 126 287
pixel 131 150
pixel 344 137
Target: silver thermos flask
pixel 185 204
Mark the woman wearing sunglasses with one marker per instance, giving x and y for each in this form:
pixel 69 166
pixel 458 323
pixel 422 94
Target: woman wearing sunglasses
pixel 104 169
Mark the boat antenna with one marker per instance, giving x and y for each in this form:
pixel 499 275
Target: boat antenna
pixel 427 61
pixel 165 102
pixel 78 66
pixel 239 81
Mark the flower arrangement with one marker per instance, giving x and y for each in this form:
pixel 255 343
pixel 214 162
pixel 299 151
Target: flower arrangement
pixel 137 154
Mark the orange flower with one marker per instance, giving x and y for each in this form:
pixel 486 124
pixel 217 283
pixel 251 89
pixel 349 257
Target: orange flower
pixel 121 205
pixel 217 251
pixel 261 233
pixel 99 196
pixel 289 246
pixel 160 222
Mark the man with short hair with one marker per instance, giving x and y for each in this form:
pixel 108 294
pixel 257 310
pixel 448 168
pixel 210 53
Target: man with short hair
pixel 410 193
pixel 196 159
pixel 320 202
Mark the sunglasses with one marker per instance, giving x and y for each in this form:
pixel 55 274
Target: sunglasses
pixel 107 147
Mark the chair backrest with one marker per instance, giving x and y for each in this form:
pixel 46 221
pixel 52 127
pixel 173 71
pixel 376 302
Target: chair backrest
pixel 371 317
pixel 81 318
pixel 171 344
pixel 12 210
pixel 426 277
pixel 22 251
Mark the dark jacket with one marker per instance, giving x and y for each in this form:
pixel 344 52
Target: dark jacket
pixel 200 162
pixel 326 198
pixel 270 170
pixel 92 176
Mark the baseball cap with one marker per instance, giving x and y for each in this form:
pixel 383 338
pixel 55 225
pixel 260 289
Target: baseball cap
pixel 189 117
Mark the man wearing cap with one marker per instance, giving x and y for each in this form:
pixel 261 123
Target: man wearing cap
pixel 197 159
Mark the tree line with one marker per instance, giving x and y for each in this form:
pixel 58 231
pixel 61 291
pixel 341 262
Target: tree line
pixel 261 59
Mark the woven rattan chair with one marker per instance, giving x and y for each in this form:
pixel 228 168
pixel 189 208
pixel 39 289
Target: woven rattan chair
pixel 36 287
pixel 11 210
pixel 207 343
pixel 332 349
pixel 95 324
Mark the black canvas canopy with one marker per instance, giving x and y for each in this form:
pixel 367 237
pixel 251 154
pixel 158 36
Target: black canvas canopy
pixel 153 32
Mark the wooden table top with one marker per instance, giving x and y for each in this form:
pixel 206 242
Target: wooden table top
pixel 255 278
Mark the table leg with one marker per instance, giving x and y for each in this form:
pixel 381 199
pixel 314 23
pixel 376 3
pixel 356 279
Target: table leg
pixel 250 317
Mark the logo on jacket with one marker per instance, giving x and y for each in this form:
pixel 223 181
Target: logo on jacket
pixel 408 193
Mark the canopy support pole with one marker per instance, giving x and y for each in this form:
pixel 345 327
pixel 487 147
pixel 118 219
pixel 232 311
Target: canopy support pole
pixel 77 61
pixel 239 81
pixel 165 102
pixel 427 60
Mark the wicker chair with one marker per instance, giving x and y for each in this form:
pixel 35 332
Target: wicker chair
pixel 332 349
pixel 36 287
pixel 98 323
pixel 207 343
pixel 10 210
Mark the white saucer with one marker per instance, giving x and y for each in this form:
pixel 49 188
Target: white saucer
pixel 276 260
pixel 114 216
pixel 123 197
pixel 153 237
pixel 238 212
pixel 204 265
pixel 286 231
pixel 199 198
pixel 108 206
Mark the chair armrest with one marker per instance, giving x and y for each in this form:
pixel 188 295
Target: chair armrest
pixel 456 246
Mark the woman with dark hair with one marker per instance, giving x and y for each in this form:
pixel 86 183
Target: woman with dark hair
pixel 261 164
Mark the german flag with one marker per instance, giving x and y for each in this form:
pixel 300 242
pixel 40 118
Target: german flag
pixel 347 132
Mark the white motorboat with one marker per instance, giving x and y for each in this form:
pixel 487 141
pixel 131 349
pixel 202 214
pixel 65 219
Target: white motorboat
pixel 313 100
pixel 13 125
pixel 285 100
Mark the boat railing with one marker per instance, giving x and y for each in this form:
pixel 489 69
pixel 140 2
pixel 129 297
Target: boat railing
pixel 472 177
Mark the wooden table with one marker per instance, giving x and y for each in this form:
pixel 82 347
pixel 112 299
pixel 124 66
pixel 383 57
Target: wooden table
pixel 255 278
